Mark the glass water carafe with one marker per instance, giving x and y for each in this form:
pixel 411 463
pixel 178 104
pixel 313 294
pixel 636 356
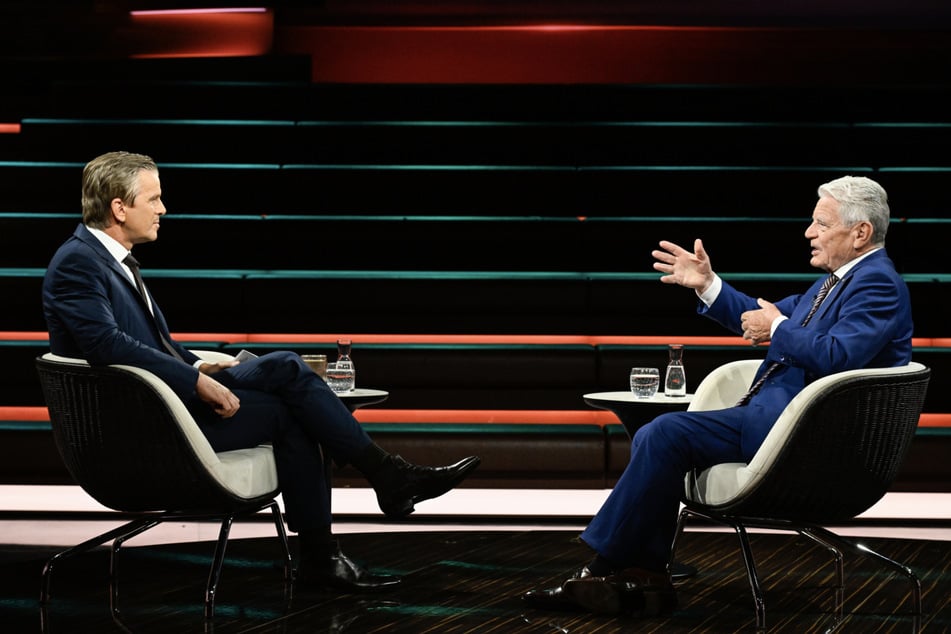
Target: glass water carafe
pixel 676 382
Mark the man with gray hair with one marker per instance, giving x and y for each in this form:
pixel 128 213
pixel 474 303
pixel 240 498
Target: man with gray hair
pixel 857 316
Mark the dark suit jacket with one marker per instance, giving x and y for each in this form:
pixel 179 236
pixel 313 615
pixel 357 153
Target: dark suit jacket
pixel 94 312
pixel 865 322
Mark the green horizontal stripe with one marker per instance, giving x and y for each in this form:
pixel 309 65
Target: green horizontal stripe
pixel 25 425
pixel 396 167
pixel 179 215
pixel 453 428
pixel 162 122
pixel 940 169
pixel 456 123
pixel 456 275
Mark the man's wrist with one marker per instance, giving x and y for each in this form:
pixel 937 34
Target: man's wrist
pixel 712 291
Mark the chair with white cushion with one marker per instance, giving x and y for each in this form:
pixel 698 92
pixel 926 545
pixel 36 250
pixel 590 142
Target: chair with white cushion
pixel 831 455
pixel 131 444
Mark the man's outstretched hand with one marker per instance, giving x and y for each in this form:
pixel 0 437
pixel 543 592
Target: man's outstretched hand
pixel 682 267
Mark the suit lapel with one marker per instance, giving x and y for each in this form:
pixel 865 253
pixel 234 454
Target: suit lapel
pixel 839 288
pixel 83 234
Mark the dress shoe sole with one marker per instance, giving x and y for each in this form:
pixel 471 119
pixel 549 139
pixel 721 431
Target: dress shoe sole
pixel 612 598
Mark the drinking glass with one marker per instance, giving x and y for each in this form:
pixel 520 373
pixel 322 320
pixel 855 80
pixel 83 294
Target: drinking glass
pixel 317 363
pixel 644 382
pixel 340 378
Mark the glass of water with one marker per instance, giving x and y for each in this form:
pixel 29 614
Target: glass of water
pixel 644 382
pixel 340 378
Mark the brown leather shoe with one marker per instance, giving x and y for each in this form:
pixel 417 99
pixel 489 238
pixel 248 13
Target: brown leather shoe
pixel 632 591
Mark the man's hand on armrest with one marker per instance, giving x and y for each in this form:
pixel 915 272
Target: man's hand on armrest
pixel 221 399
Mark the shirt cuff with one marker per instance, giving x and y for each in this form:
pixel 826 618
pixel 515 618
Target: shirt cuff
pixel 710 295
pixel 773 326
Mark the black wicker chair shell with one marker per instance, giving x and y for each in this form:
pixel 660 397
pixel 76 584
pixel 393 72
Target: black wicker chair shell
pixel 131 444
pixel 831 455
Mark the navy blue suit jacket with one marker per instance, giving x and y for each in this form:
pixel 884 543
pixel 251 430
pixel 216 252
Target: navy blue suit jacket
pixel 865 322
pixel 94 312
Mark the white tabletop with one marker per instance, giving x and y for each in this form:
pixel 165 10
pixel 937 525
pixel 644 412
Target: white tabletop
pixel 363 392
pixel 628 397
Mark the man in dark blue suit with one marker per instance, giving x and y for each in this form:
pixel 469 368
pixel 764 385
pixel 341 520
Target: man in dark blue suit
pixel 859 316
pixel 97 308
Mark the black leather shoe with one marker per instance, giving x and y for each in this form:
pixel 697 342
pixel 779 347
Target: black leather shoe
pixel 633 591
pixel 400 485
pixel 339 572
pixel 554 598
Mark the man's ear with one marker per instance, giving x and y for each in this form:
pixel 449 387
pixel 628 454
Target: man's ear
pixel 118 211
pixel 863 233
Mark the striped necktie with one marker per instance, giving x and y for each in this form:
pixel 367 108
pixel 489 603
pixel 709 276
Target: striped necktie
pixel 820 297
pixel 133 265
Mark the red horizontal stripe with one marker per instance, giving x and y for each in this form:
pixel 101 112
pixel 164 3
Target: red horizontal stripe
pixel 610 54
pixel 591 340
pixel 487 416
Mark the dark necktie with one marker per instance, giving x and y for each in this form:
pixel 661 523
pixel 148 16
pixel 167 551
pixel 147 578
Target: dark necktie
pixel 133 265
pixel 820 296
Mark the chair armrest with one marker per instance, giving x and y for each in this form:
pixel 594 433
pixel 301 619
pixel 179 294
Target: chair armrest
pixel 725 385
pixel 212 356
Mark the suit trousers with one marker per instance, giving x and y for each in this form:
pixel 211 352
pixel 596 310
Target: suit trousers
pixel 285 403
pixel 635 526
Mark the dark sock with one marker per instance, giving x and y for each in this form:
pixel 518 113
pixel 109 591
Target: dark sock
pixel 317 544
pixel 370 460
pixel 600 567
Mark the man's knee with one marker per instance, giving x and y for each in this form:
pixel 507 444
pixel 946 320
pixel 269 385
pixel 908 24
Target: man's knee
pixel 666 428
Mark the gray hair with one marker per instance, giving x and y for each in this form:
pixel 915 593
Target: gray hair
pixel 860 199
pixel 107 177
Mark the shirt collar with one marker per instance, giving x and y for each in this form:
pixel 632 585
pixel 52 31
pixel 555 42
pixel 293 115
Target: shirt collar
pixel 112 245
pixel 845 268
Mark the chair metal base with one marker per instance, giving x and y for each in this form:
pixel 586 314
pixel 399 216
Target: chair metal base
pixel 822 536
pixel 139 525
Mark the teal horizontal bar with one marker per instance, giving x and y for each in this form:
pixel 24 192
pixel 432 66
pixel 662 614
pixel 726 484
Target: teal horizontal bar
pixel 423 275
pixel 570 124
pixel 25 425
pixel 428 167
pixel 902 124
pixel 429 123
pixel 451 428
pixel 939 169
pixel 221 166
pixel 26 215
pixel 722 168
pixel 300 274
pixel 502 168
pixel 162 122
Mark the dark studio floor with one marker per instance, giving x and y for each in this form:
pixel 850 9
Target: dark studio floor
pixel 467 581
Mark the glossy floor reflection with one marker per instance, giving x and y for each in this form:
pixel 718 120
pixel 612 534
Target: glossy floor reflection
pixel 466 581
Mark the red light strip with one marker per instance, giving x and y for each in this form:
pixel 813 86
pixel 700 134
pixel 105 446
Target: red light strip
pixel 199 11
pixel 9 128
